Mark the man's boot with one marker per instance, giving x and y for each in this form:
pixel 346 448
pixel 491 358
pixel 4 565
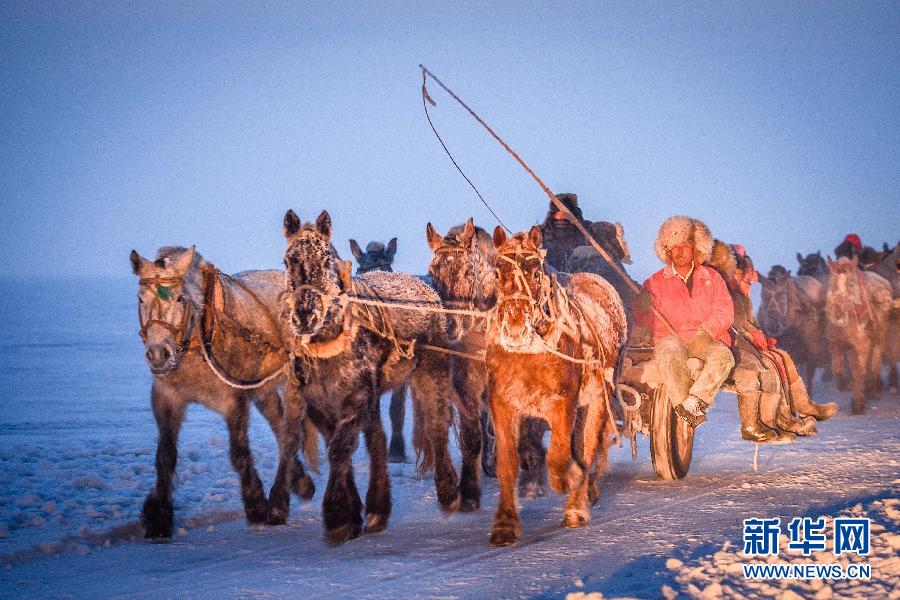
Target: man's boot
pixel 752 429
pixel 786 420
pixel 804 405
pixel 769 415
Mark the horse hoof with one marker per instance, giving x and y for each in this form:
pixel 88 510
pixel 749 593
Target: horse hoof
pixel 257 513
pixel 276 516
pixel 376 523
pixel 469 505
pixel 304 488
pixel 344 533
pixel 503 537
pixel 857 409
pixel 157 531
pixel 532 490
pixel 593 495
pixel 575 518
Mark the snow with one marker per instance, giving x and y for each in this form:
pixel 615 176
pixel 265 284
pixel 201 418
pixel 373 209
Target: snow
pixel 77 443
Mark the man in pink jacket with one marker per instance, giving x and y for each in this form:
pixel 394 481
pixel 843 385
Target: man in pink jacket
pixel 695 301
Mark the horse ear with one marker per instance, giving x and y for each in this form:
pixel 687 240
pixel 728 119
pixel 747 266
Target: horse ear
pixel 819 252
pixel 323 224
pixel 137 262
pixel 291 223
pixel 355 249
pixel 499 236
pixel 885 248
pixel 534 235
pixel 799 258
pixel 468 232
pixel 434 238
pixel 345 275
pixel 184 261
pixel 763 280
pixel 392 247
pixel 830 263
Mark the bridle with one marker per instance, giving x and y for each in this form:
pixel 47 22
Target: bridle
pixel 523 291
pixel 182 331
pixel 477 287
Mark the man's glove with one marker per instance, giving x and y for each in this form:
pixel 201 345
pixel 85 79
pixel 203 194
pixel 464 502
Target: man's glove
pixel 759 340
pixel 643 302
pixel 697 346
pixel 772 342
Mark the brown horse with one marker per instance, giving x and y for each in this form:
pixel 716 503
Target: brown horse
pixel 857 308
pixel 551 352
pixel 345 356
pixel 379 257
pixel 889 268
pixel 183 303
pixel 462 272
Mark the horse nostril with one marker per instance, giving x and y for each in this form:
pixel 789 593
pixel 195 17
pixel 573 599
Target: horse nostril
pixel 165 353
pixel 149 354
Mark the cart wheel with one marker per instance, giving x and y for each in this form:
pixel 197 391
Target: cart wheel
pixel 671 439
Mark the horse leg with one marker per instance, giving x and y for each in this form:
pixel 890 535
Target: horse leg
pixel 532 458
pixel 577 511
pixel 288 444
pixel 157 514
pixel 810 368
pixel 859 357
pixel 397 452
pixel 468 388
pixel 562 471
pixel 874 384
pixel 378 497
pixel 488 445
pixel 270 408
pixel 430 391
pixel 507 528
pixel 837 366
pixel 341 504
pixel 238 420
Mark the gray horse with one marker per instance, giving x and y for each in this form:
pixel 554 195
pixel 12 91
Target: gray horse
pixel 379 257
pixel 183 303
pixel 346 355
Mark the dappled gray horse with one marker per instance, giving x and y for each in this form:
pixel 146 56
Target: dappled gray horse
pixel 379 257
pixel 345 355
pixel 186 308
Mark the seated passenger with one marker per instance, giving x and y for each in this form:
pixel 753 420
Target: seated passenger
pixel 695 301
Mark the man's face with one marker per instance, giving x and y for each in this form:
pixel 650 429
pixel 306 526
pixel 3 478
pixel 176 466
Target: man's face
pixel 682 254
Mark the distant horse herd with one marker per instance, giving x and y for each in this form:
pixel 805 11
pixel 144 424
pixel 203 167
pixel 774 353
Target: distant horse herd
pixel 495 342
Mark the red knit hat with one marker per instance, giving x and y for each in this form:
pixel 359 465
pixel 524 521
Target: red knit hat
pixel 854 240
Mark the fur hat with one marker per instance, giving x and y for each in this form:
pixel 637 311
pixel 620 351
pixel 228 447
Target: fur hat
pixel 723 259
pixel 568 200
pixel 679 229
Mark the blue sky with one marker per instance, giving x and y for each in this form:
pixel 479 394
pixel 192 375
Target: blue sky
pixel 135 125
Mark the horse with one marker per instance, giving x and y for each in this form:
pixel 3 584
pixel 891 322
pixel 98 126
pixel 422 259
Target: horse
pixel 551 351
pixel 813 265
pixel 792 310
pixel 857 309
pixel 379 257
pixel 194 319
pixel 889 268
pixel 462 272
pixel 345 356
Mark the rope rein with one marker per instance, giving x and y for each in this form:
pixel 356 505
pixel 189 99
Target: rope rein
pixel 559 205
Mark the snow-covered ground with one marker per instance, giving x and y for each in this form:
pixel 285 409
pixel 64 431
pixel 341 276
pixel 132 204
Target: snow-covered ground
pixel 76 459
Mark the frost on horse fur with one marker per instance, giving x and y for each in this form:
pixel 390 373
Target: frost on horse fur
pixel 550 348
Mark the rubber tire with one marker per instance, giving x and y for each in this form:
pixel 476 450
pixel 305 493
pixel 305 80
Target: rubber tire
pixel 671 439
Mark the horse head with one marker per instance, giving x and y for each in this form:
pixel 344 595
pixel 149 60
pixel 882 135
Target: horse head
pixel 523 288
pixel 845 292
pixel 462 272
pixel 377 256
pixel 315 276
pixel 776 307
pixel 170 298
pixel 812 265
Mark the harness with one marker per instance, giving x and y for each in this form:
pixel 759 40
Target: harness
pixel 162 292
pixel 476 284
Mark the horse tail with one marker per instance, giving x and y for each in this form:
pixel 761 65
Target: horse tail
pixel 420 438
pixel 311 445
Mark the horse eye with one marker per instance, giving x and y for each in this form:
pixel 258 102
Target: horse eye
pixel 180 298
